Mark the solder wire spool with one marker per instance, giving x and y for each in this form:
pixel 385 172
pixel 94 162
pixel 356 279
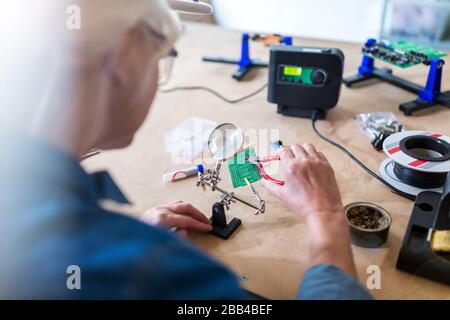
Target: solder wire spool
pixel 418 161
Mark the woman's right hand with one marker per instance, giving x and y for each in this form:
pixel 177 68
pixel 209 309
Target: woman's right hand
pixel 311 191
pixel 310 188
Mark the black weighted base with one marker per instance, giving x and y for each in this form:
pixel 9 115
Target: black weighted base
pixel 219 222
pixel 407 108
pixel 360 79
pixel 226 232
pixel 242 71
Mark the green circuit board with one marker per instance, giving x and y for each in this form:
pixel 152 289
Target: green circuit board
pixel 240 169
pixel 402 54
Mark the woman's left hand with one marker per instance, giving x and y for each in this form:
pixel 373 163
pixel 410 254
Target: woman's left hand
pixel 179 215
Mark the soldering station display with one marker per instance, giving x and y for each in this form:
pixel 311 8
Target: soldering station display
pixel 295 75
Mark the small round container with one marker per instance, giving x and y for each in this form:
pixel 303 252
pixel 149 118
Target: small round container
pixel 367 237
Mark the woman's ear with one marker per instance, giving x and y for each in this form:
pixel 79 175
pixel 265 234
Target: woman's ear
pixel 129 54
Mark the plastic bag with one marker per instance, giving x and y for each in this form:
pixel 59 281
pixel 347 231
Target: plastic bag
pixel 189 138
pixel 378 126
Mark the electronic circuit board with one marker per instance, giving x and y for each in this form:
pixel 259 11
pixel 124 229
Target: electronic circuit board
pixel 240 169
pixel 268 39
pixel 402 54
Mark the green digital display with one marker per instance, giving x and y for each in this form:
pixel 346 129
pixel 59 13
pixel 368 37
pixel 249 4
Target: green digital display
pixel 291 74
pixel 292 71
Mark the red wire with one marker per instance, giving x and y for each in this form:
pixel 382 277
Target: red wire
pixel 267 177
pixel 270 158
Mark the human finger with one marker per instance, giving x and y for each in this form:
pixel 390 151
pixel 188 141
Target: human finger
pixel 180 221
pixel 188 209
pixel 286 154
pixel 310 149
pixel 299 151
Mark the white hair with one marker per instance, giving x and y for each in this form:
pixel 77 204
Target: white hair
pixel 106 19
pixel 39 44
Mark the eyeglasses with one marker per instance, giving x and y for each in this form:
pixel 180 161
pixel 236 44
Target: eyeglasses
pixel 166 61
pixel 166 66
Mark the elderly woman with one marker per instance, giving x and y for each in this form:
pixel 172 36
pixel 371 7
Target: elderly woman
pixel 68 88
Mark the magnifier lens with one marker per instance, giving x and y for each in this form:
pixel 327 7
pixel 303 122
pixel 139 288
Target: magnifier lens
pixel 225 141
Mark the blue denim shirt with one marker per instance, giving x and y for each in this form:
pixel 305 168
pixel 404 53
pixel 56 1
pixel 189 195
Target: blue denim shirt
pixel 55 221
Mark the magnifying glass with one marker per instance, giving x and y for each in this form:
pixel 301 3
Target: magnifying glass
pixel 225 141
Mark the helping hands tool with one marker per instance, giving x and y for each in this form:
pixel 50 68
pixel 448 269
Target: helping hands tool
pixel 224 143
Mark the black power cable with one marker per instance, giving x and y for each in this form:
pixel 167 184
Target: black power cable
pixel 362 165
pixel 218 95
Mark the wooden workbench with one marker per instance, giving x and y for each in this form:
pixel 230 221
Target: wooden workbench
pixel 270 250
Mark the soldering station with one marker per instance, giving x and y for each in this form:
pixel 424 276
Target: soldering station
pixel 306 82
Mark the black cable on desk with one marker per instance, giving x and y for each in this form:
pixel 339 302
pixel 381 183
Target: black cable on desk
pixel 218 95
pixel 362 165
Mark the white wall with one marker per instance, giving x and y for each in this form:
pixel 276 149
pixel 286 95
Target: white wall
pixel 346 20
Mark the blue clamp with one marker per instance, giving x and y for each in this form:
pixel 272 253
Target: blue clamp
pixel 245 63
pixel 368 63
pixel 433 87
